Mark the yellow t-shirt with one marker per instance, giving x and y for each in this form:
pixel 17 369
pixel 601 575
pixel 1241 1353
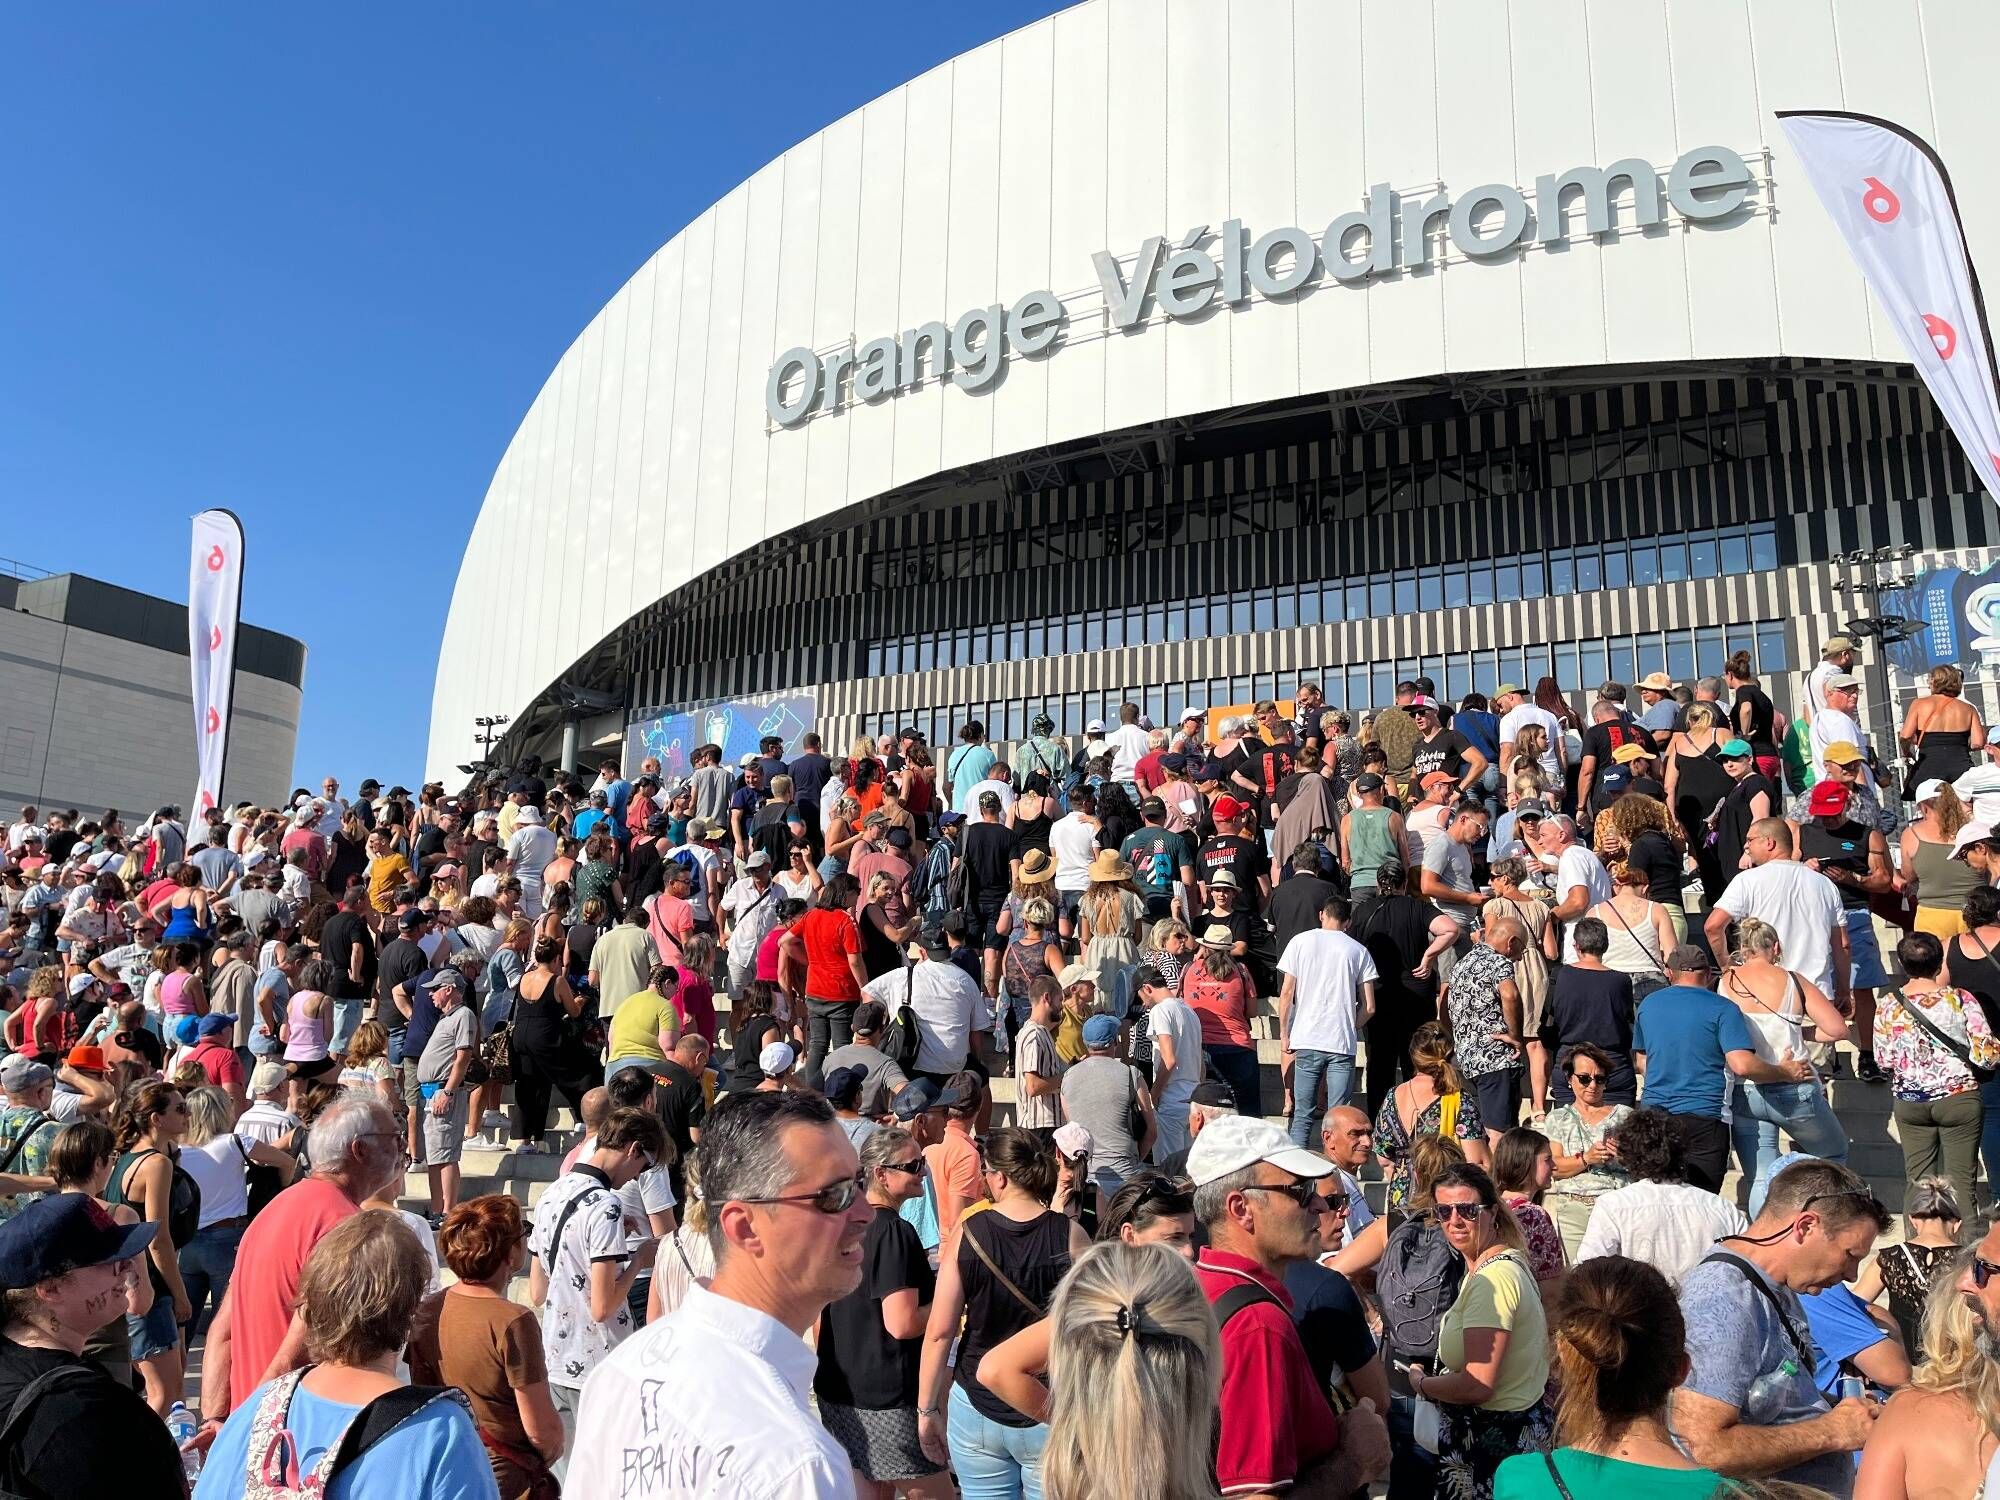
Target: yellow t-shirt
pixel 1502 1294
pixel 384 875
pixel 510 817
pixel 637 1023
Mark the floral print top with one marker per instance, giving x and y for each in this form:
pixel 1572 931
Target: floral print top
pixel 1392 1141
pixel 1545 1246
pixel 1919 1067
pixel 1566 1128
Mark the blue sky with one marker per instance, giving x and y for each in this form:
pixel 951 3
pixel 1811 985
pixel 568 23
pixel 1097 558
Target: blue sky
pixel 313 263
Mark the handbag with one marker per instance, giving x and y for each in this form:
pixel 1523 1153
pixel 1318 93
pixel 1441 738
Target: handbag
pixel 496 1053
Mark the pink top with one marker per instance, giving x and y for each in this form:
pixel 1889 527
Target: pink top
pixel 174 999
pixel 305 1036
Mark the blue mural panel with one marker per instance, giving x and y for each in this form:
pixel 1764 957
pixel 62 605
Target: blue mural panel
pixel 736 725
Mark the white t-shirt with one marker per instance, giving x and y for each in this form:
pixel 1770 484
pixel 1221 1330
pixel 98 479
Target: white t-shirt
pixel 651 1192
pixel 1174 1017
pixel 1330 968
pixel 1802 904
pixel 1073 841
pixel 1128 744
pixel 1523 714
pixel 573 1342
pixel 949 1007
pixel 998 788
pixel 1829 727
pixel 1580 867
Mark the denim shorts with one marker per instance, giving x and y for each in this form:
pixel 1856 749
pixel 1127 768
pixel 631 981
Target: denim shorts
pixel 156 1333
pixel 1866 971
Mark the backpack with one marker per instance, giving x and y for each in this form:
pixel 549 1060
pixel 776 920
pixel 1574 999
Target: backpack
pixel 260 1183
pixel 931 885
pixel 901 1040
pixel 274 1472
pixel 686 859
pixel 1416 1283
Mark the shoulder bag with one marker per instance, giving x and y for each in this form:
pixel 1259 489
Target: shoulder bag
pixel 1930 1029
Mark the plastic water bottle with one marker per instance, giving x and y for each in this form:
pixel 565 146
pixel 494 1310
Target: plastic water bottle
pixel 182 1426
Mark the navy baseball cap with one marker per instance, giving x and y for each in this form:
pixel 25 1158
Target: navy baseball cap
pixel 946 819
pixel 917 1097
pixel 65 1232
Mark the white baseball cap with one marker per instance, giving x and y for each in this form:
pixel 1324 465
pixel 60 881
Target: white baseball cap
pixel 1971 833
pixel 1230 1143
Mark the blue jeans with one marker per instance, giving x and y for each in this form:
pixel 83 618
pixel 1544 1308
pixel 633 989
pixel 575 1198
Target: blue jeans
pixel 1308 1069
pixel 1757 1113
pixel 992 1462
pixel 346 1021
pixel 207 1261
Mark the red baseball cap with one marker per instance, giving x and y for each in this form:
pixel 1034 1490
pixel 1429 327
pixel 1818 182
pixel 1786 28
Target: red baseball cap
pixel 1228 809
pixel 85 1058
pixel 1828 799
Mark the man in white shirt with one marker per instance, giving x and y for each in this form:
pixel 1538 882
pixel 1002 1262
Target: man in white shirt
pixel 1836 659
pixel 21 827
pixel 583 1264
pixel 950 1007
pixel 1839 723
pixel 1581 881
pixel 1327 996
pixel 1073 841
pixel 1175 1032
pixel 1802 904
pixel 1129 744
pixel 1000 782
pixel 711 1401
pixel 266 1119
pixel 1516 710
pixel 334 808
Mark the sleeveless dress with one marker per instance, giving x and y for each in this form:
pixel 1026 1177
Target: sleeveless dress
pixel 1906 1273
pixel 1942 753
pixel 1700 786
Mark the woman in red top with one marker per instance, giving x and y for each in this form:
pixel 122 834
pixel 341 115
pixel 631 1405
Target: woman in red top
pixel 828 945
pixel 1221 992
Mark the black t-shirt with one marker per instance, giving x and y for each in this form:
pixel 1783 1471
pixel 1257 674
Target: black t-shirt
pixel 401 962
pixel 1295 907
pixel 84 1436
pixel 1267 765
pixel 343 931
pixel 1653 853
pixel 430 842
pixel 989 851
pixel 683 1108
pixel 59 844
pixel 1244 857
pixel 1443 751
pixel 481 855
pixel 1763 736
pixel 1845 845
pixel 1608 777
pixel 1396 931
pixel 1330 1321
pixel 860 1365
pixel 1591 1005
pixel 536 788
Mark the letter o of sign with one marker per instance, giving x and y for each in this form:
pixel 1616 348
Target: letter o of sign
pixel 1879 203
pixel 216 561
pixel 1943 335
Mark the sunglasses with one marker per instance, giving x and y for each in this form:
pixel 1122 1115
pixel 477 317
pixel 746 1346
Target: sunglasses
pixel 1983 1271
pixel 916 1167
pixel 1446 1212
pixel 1301 1193
pixel 1586 1080
pixel 834 1198
pixel 1336 1203
pixel 1806 1207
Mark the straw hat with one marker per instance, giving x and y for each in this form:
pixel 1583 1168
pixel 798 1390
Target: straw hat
pixel 1108 865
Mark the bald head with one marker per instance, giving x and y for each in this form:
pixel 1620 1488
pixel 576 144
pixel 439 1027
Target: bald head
pixel 1349 1137
pixel 1768 839
pixel 1505 935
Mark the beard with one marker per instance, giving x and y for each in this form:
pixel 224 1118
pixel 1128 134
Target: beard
pixel 1987 1340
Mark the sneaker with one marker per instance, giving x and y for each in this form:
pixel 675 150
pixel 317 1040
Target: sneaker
pixel 1868 1071
pixel 531 1148
pixel 493 1122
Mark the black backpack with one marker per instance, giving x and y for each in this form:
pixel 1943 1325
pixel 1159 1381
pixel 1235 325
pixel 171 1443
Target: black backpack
pixel 901 1041
pixel 1416 1283
pixel 18 1414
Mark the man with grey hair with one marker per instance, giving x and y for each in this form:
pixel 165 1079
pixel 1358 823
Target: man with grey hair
pixel 1258 1196
pixel 1580 882
pixel 728 1371
pixel 356 1151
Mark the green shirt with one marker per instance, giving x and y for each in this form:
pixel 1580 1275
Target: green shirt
pixel 1526 1477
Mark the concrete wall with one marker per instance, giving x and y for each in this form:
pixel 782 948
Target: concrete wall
pixel 91 721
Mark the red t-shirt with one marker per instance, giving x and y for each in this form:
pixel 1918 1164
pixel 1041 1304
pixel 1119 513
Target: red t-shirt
pixel 1275 1421
pixel 1149 773
pixel 218 1060
pixel 829 936
pixel 264 1290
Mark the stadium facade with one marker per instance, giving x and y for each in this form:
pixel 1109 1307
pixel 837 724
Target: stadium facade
pixel 1179 351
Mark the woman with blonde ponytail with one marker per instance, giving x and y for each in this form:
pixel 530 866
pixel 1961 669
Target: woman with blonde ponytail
pixel 1620 1348
pixel 1135 1375
pixel 1939 883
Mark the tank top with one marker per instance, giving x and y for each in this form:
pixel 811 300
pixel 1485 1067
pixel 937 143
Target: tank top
pixel 1941 880
pixel 1845 845
pixel 1033 1256
pixel 183 1204
pixel 1369 846
pixel 173 994
pixel 305 1037
pixel 1633 950
pixel 1778 1033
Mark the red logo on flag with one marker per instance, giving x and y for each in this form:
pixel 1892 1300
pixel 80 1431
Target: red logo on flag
pixel 214 720
pixel 215 637
pixel 1878 202
pixel 216 561
pixel 1943 335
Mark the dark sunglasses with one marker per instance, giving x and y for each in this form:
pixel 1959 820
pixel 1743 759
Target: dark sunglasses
pixel 1983 1271
pixel 1806 1207
pixel 1301 1193
pixel 1586 1080
pixel 915 1168
pixel 1446 1212
pixel 1336 1203
pixel 834 1198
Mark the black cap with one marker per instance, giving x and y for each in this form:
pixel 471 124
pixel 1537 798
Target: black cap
pixel 65 1232
pixel 1368 781
pixel 1152 807
pixel 1213 1093
pixel 918 1096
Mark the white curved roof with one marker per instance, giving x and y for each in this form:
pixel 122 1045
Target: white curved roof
pixel 648 457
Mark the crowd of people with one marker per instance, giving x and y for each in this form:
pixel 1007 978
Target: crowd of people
pixel 1002 1120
